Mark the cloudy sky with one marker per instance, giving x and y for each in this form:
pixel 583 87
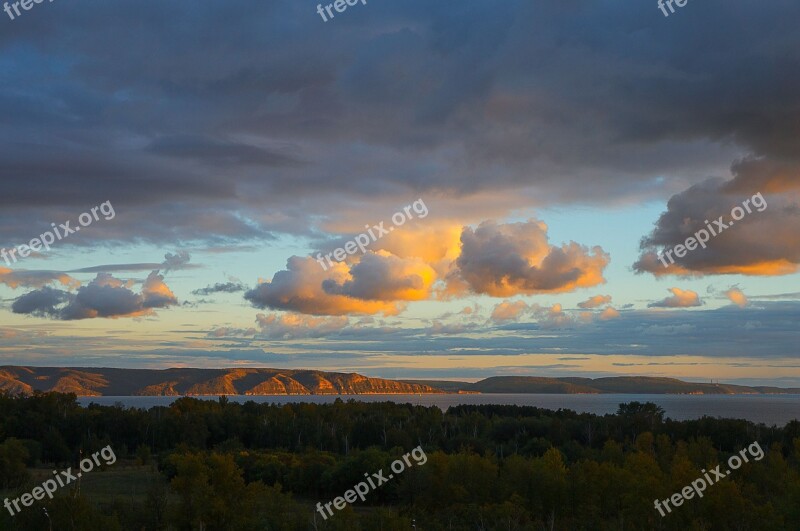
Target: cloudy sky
pixel 547 152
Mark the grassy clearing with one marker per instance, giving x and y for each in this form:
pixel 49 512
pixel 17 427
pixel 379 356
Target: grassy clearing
pixel 120 480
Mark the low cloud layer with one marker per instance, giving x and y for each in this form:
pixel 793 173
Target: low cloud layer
pixel 547 317
pixel 294 326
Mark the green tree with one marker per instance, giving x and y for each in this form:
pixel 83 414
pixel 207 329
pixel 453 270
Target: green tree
pixel 13 456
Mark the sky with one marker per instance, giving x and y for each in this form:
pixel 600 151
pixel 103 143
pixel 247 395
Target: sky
pixel 573 188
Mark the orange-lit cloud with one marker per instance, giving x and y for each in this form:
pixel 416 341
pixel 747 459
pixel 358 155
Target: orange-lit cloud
pixel 293 326
pixel 608 314
pixel 760 240
pixel 737 297
pixel 680 299
pixel 764 174
pixel 438 244
pixel 510 259
pixel 508 311
pixel 595 302
pixel 300 288
pixel 650 262
pixel 557 318
pixel 155 293
pixel 35 279
pixel 383 276
pixel 547 317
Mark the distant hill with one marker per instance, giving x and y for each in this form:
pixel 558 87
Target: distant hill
pixel 179 382
pixel 617 384
pixel 447 386
pixel 215 382
pixel 529 384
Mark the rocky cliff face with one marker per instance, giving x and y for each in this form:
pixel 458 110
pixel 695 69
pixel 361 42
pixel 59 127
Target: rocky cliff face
pixel 177 382
pixel 10 383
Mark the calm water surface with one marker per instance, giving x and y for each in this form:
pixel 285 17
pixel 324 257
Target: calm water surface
pixel 769 409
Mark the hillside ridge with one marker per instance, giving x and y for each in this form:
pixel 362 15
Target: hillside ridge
pixel 197 382
pixel 103 381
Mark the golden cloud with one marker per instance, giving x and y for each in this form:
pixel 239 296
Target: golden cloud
pixel 435 262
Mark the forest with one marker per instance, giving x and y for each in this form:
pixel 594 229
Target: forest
pixel 211 465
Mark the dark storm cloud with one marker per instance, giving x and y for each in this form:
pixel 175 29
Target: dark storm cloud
pixel 105 296
pixel 219 152
pixel 42 302
pixel 437 97
pixel 93 174
pixel 763 242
